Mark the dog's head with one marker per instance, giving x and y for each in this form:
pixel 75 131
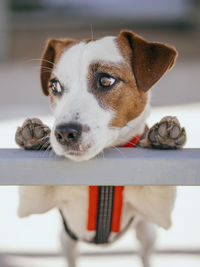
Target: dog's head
pixel 98 90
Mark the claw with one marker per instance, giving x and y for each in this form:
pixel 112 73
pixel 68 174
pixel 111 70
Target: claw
pixel 175 132
pixel 162 129
pixel 26 133
pixel 39 132
pixel 152 136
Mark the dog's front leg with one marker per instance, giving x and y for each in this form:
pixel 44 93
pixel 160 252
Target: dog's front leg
pixel 166 134
pixel 146 234
pixel 69 249
pixel 33 135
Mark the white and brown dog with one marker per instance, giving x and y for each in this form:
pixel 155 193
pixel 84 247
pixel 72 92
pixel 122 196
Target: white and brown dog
pixel 99 93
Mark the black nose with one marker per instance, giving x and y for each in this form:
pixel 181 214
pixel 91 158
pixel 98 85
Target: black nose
pixel 68 134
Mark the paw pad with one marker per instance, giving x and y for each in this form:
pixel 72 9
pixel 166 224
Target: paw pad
pixel 167 134
pixel 33 134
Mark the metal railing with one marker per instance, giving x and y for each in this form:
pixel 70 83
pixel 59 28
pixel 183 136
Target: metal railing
pixel 122 166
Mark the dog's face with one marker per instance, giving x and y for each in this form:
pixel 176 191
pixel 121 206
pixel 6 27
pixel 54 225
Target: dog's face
pixel 98 90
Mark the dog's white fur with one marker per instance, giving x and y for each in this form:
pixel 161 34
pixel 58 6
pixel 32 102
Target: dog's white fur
pixel 151 203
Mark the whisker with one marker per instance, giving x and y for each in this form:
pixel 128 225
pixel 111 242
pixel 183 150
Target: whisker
pixel 51 154
pixel 116 148
pixel 123 139
pixel 50 151
pixel 42 59
pixel 43 69
pixel 46 68
pixel 49 148
pixel 43 147
pixel 92 33
pixel 46 71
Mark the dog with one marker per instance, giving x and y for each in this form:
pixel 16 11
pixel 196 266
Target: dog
pixel 99 94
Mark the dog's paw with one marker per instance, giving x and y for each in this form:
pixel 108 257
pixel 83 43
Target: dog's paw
pixel 167 134
pixel 33 135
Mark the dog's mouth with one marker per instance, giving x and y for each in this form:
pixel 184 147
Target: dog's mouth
pixel 78 155
pixel 75 153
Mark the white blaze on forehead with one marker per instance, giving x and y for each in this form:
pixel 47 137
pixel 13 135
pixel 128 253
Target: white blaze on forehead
pixel 76 60
pixel 104 49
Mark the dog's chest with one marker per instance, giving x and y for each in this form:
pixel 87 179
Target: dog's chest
pixel 75 211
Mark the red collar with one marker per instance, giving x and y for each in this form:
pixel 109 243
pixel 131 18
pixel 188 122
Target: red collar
pixel 133 142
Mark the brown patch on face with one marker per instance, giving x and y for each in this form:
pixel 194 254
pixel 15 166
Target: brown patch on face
pixel 52 52
pixel 144 64
pixel 123 97
pixel 53 99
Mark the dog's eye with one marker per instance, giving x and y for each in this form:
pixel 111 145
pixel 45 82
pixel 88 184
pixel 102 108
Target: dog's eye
pixel 106 81
pixel 56 87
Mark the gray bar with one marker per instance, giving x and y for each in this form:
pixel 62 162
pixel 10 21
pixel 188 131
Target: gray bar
pixel 128 166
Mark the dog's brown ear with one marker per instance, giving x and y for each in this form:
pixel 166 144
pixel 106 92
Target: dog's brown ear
pixel 149 60
pixel 52 51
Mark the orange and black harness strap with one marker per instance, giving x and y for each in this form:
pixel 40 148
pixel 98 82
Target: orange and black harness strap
pixel 104 208
pixel 105 212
